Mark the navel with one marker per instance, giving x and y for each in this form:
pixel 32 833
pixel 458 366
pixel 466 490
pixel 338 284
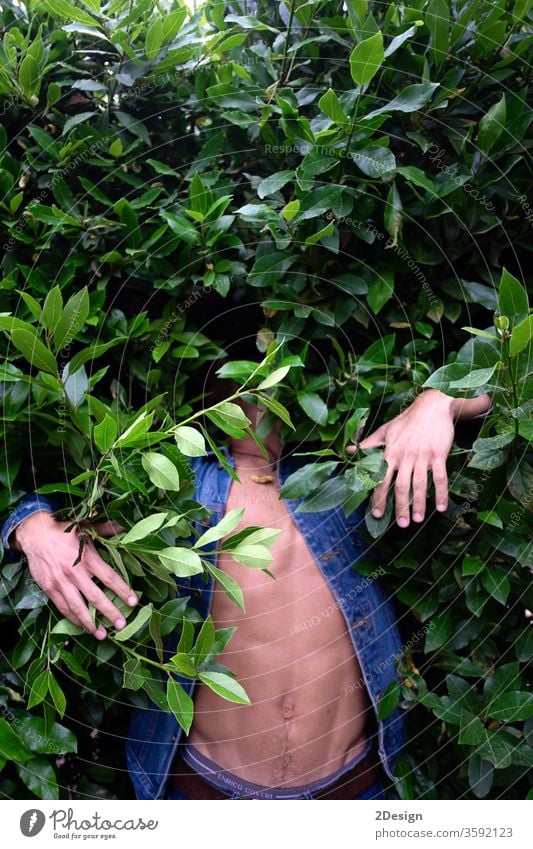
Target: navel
pixel 288 709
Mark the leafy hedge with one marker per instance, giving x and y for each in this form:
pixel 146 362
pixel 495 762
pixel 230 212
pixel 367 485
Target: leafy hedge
pixel 360 170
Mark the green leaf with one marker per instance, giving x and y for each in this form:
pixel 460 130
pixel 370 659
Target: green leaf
pixel 496 583
pixel 182 562
pixel 139 426
pixel 58 697
pixel 483 333
pixel 181 704
pixel 411 99
pixel 492 125
pixel 474 379
pixel 65 626
pixel 31 347
pixel 72 319
pixel 393 215
pixel 520 481
pixel 330 104
pixel 307 480
pixel 135 625
pixel 274 377
pixel 521 336
pixel 190 441
pixel 512 707
pixel 438 21
pixel 440 630
pixel 199 196
pixel 130 222
pixel 229 417
pixel 512 298
pixel 161 471
pixel 455 374
pixel 480 775
pixel 224 527
pixel 375 162
pixel 416 176
pixel 229 585
pixel 92 352
pixel 472 565
pixel 380 290
pixel 143 528
pixel 204 642
pixel 320 234
pixel 154 39
pixel 225 686
pixel 524 645
pixel 390 700
pixel 313 406
pixel 183 664
pixel 291 209
pixel 495 749
pixel 12 748
pixel 134 674
pixel 38 688
pixel 38 775
pixel 275 407
pixel 502 679
pixel 32 304
pixel 43 739
pixel 470 730
pixel 65 10
pixel 52 309
pixel 264 536
pixel 29 77
pixel 398 40
pixel 273 183
pixel 105 433
pixel 366 59
pixel 253 556
pixel 72 122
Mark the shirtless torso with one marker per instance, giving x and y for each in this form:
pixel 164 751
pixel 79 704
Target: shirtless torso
pixel 309 705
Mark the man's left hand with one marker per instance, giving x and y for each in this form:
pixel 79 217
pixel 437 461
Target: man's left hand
pixel 416 442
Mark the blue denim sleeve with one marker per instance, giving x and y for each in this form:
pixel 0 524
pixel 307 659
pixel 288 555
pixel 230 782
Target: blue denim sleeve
pixel 30 503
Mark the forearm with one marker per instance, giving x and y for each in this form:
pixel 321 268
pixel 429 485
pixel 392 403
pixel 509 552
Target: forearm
pixel 464 409
pixel 461 409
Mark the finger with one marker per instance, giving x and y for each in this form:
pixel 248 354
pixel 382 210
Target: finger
pixel 440 483
pixel 420 483
pixel 402 491
pixel 59 601
pixel 99 600
pixel 78 608
pixel 379 496
pixel 107 529
pixel 374 440
pixel 111 579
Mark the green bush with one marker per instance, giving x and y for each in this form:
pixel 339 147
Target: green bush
pixel 360 169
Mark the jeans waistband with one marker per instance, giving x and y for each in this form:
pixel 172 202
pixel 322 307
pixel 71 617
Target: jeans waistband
pixel 228 782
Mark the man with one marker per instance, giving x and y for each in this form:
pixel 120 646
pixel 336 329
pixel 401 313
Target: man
pixel 315 649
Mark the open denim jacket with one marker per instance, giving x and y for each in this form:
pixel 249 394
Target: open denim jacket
pixel 154 734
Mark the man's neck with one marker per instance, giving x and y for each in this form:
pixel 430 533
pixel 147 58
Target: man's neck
pixel 246 451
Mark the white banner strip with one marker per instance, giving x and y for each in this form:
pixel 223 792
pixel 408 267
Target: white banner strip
pixel 276 825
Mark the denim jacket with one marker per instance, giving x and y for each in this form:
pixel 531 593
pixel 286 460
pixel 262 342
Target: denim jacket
pixel 154 734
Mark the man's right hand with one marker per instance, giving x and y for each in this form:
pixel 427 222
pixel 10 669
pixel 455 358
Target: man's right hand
pixel 51 553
